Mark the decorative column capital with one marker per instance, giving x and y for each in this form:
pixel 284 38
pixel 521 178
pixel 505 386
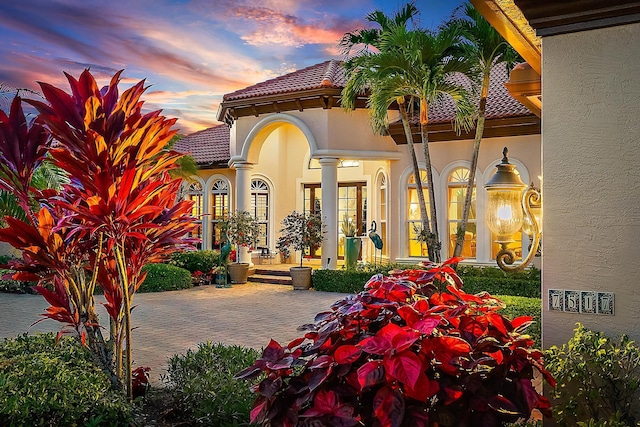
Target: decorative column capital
pixel 329 161
pixel 242 166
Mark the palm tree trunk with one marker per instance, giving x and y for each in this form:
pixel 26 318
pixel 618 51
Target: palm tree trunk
pixel 474 165
pixel 416 170
pixel 434 240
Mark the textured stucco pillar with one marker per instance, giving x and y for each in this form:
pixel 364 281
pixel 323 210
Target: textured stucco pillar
pixel 591 189
pixel 329 186
pixel 243 198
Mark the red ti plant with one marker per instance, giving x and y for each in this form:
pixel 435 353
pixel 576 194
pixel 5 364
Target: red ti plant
pixel 117 213
pixel 412 349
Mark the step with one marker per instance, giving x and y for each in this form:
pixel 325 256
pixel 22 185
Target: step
pixel 270 279
pixel 267 272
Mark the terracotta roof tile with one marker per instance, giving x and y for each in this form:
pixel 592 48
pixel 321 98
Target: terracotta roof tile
pixel 207 146
pixel 500 103
pixel 326 74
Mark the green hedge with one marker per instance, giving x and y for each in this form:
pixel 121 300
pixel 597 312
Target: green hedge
pixel 44 384
pixel 203 385
pixel 193 261
pixel 165 277
pixel 490 279
pixel 522 306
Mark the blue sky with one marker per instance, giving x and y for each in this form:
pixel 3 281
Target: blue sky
pixel 190 51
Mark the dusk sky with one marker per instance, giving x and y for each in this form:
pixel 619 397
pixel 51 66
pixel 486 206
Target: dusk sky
pixel 191 52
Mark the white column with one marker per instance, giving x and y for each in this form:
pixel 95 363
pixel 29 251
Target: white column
pixel 243 199
pixel 329 186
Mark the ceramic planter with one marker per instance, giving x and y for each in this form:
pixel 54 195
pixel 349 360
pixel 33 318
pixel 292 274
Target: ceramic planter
pixel 300 277
pixel 351 251
pixel 238 272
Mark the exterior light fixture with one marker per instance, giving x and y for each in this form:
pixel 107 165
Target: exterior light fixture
pixel 513 207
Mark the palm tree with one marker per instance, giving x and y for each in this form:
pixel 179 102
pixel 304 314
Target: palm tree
pixel 431 79
pixel 417 66
pixel 484 48
pixel 366 70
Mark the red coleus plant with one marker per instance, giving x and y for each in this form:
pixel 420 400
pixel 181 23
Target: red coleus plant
pixel 412 349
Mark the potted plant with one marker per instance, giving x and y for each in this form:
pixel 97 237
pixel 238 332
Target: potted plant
pixel 301 232
pixel 241 229
pixel 351 242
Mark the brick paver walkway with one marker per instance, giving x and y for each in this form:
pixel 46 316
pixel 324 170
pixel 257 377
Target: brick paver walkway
pixel 170 322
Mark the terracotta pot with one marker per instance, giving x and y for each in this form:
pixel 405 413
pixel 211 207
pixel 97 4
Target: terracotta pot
pixel 238 272
pixel 300 278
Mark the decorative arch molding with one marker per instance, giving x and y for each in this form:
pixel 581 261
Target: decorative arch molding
pixel 261 130
pixel 216 177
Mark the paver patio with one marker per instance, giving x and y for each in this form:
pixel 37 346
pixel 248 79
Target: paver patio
pixel 167 323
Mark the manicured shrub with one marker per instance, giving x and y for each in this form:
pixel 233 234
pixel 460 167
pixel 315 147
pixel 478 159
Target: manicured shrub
pixel 598 380
pixel 203 261
pixel 351 281
pixel 412 349
pixel 203 384
pixel 165 277
pixel 489 279
pixel 44 384
pixel 522 306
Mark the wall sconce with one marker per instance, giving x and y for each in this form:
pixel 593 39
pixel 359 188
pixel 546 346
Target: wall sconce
pixel 513 207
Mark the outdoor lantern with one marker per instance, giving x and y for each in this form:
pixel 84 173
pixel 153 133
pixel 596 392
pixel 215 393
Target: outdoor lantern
pixel 512 207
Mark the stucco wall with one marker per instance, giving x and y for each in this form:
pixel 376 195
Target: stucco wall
pixel 591 158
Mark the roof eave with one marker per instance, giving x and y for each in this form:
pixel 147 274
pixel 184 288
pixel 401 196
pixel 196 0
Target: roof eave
pixel 494 128
pixel 325 98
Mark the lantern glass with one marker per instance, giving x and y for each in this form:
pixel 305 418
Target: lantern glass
pixel 527 226
pixel 504 212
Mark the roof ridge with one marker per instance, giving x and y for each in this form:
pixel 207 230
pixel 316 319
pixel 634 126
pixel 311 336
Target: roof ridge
pixel 275 79
pixel 327 80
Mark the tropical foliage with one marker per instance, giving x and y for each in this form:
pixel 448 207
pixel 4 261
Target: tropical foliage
pixel 117 213
pixel 412 349
pixel 241 229
pixel 409 68
pixel 301 232
pixel 598 380
pixel 482 48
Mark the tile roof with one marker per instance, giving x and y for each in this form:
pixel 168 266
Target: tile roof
pixel 331 74
pixel 208 146
pixel 500 103
pixel 323 75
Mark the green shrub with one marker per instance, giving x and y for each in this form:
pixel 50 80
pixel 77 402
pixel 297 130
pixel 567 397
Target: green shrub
pixel 351 281
pixel 203 384
pixel 598 380
pixel 502 286
pixel 490 279
pixel 165 277
pixel 43 384
pixel 522 306
pixel 193 261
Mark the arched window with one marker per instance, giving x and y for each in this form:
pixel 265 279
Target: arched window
pixel 219 210
pixel 456 193
pixel 414 219
pixel 194 192
pixel 260 209
pixel 382 212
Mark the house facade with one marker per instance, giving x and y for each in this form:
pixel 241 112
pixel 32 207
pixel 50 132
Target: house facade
pixel 286 144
